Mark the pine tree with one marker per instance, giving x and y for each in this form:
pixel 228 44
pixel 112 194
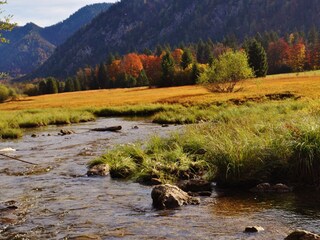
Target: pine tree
pixel 195 72
pixel 257 59
pixel 69 87
pixel 103 78
pixel 167 66
pixel 52 85
pixel 186 59
pixel 142 80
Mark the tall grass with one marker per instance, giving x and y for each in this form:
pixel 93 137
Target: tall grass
pixel 240 146
pixel 12 123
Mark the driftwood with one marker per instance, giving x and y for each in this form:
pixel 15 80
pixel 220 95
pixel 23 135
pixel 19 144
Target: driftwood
pixel 17 159
pixel 107 129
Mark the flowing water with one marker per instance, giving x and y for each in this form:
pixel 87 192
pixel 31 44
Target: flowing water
pixel 55 200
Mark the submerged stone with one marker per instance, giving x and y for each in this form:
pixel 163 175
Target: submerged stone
pixel 195 185
pixel 99 170
pixel 302 235
pixel 169 197
pixel 253 229
pixel 267 187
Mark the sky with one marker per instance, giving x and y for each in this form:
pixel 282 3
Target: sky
pixel 43 12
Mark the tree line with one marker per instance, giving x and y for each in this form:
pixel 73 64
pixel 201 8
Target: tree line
pixel 165 66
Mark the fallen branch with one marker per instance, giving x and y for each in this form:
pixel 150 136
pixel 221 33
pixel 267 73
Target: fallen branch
pixel 107 129
pixel 17 159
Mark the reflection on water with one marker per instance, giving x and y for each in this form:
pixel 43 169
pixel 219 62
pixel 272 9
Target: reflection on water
pixel 56 200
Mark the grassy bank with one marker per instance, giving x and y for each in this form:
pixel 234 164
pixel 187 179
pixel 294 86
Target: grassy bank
pixel 241 145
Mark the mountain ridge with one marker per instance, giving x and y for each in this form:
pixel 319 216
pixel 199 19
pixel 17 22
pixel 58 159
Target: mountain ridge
pixel 132 25
pixel 31 45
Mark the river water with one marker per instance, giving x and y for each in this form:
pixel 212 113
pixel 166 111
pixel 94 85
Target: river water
pixel 55 200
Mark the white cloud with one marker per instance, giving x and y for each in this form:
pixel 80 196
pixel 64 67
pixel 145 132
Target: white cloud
pixel 44 12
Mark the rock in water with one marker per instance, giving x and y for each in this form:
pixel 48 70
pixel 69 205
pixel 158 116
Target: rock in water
pixel 7 150
pixel 99 170
pixel 195 185
pixel 168 197
pixel 302 235
pixel 253 229
pixel 64 132
pixel 268 188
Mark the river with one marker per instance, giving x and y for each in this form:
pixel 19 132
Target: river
pixel 56 200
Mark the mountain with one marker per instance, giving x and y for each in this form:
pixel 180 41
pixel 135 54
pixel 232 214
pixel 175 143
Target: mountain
pixel 30 45
pixel 137 24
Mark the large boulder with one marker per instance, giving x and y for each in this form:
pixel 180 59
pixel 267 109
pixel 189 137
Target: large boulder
pixel 302 235
pixel 168 197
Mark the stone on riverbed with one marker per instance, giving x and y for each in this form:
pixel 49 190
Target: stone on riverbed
pixel 253 229
pixel 268 188
pixel 64 132
pixel 99 170
pixel 195 185
pixel 302 235
pixel 169 197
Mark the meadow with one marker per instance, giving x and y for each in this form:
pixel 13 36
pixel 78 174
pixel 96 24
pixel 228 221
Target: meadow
pixel 269 131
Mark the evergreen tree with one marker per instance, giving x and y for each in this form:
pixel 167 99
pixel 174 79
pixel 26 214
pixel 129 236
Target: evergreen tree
pixel 42 87
pixel 167 66
pixel 69 87
pixel 52 85
pixel 103 78
pixel 142 80
pixel 186 59
pixel 257 59
pixel 195 72
pixel 110 59
pixel 76 84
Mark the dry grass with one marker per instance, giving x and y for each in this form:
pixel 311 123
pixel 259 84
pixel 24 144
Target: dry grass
pixel 305 86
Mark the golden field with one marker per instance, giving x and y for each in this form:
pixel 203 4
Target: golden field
pixel 304 85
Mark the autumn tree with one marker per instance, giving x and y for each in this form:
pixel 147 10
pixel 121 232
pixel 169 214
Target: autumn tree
pixel 131 65
pixel 152 67
pixel 177 56
pixel 257 58
pixel 229 69
pixel 278 54
pixel 297 56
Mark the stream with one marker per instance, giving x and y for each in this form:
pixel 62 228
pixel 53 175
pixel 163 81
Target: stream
pixel 56 200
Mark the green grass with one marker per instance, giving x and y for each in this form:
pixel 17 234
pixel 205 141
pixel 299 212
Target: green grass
pixel 12 123
pixel 239 146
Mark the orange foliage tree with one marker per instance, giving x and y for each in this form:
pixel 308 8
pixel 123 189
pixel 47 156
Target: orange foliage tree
pixel 131 65
pixel 152 67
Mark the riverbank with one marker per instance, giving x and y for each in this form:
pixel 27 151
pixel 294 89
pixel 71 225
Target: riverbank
pixel 236 146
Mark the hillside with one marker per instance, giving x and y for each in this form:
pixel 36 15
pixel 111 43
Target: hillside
pixel 137 24
pixel 30 45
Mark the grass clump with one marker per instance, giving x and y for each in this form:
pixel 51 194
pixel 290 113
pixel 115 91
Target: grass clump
pixel 240 146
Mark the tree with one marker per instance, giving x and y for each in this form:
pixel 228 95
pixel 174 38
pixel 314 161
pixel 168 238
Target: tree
pixel 131 65
pixel 230 68
pixel 186 59
pixel 257 58
pixel 142 80
pixel 69 87
pixel 52 85
pixel 167 66
pixel 5 24
pixel 4 93
pixel 103 76
pixel 195 73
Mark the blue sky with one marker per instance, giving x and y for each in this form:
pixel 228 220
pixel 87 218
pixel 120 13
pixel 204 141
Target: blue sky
pixel 43 12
